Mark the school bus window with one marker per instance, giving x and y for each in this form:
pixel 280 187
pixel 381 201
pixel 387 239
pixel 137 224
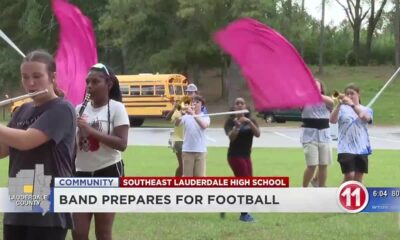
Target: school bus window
pixel 160 90
pixel 148 90
pixel 124 90
pixel 178 90
pixel 135 90
pixel 171 90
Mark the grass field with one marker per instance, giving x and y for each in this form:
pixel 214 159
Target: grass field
pixel 159 161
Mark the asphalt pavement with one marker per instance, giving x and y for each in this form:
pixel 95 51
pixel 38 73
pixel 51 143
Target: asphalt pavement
pixel 285 137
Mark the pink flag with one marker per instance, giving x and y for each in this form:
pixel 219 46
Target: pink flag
pixel 76 51
pixel 275 72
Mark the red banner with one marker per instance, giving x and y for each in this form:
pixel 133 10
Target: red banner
pixel 204 182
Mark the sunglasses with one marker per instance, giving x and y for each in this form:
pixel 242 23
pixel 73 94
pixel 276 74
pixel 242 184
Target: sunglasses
pixel 102 67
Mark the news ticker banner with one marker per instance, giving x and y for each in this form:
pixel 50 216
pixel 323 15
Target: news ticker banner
pixel 207 194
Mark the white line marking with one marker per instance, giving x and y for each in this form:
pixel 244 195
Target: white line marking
pixel 211 139
pixel 384 139
pixel 286 136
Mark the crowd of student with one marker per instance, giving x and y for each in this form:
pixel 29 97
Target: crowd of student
pixel 87 141
pixel 344 109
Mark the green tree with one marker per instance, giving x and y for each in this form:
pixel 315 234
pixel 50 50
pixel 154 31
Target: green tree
pixel 355 15
pixel 373 19
pixel 322 40
pixel 30 25
pixel 396 30
pixel 138 29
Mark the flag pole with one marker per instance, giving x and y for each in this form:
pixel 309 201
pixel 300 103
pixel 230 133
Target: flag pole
pixel 8 40
pixel 224 113
pixel 373 100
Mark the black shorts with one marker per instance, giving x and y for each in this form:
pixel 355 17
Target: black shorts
pixel 115 170
pixel 353 162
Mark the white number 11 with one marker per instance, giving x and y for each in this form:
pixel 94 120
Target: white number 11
pixel 348 194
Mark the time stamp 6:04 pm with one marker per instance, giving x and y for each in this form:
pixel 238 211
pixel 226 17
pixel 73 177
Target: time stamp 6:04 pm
pixel 386 193
pixel 383 199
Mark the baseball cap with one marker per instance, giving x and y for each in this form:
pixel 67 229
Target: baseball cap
pixel 191 88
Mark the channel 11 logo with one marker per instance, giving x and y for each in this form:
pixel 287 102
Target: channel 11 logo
pixel 352 196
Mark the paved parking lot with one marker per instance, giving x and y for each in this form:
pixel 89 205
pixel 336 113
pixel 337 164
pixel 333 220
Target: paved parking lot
pixel 381 137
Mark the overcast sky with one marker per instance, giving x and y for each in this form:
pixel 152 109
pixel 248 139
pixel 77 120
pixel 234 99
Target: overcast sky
pixel 334 13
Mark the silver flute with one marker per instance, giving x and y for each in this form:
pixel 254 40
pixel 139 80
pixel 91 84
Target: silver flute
pixel 22 97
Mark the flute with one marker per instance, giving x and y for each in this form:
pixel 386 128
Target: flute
pixel 29 95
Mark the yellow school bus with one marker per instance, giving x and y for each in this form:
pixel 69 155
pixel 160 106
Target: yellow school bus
pixel 15 105
pixel 150 95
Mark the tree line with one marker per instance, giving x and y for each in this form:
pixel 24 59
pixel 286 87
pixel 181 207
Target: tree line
pixel 176 35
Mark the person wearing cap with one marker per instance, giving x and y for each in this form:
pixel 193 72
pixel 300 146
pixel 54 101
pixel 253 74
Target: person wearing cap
pixel 192 91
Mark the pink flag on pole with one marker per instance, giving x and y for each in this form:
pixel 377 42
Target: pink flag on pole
pixel 76 51
pixel 274 70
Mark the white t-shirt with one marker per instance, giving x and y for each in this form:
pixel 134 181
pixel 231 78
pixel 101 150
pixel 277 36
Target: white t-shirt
pixel 353 132
pixel 194 138
pixel 93 155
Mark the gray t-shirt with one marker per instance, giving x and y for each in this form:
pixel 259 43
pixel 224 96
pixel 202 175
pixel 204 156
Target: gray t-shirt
pixel 57 120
